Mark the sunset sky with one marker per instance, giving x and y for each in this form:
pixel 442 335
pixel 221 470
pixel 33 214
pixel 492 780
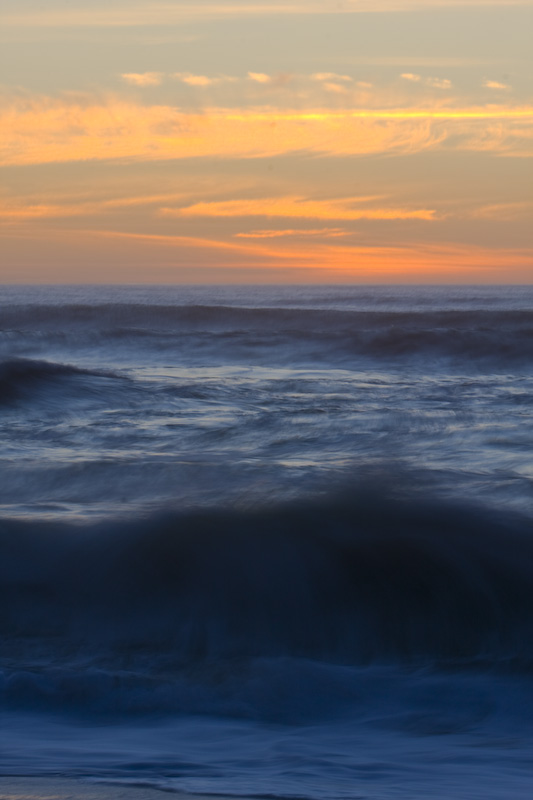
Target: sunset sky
pixel 258 141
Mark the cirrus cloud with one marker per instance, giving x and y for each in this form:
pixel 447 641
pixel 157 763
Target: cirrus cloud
pixel 300 207
pixel 80 128
pixel 323 233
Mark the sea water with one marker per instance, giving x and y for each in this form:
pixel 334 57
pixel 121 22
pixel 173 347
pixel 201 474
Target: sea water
pixel 270 541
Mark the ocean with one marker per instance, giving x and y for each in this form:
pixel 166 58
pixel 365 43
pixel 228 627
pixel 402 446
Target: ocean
pixel 269 541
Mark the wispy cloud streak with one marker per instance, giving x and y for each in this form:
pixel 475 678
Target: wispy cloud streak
pixel 298 207
pixel 141 14
pixel 45 130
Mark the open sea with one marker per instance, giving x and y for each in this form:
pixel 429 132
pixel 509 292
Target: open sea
pixel 268 541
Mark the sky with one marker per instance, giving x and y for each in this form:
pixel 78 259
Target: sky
pixel 248 141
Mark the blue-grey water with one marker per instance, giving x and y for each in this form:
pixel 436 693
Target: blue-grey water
pixel 270 541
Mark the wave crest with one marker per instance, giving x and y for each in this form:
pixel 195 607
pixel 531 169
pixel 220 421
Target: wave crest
pixel 20 377
pixel 491 335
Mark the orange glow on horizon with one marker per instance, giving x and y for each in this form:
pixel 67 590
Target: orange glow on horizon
pixel 410 259
pixel 148 258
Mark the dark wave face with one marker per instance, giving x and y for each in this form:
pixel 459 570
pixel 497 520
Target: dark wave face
pixel 345 583
pixel 22 378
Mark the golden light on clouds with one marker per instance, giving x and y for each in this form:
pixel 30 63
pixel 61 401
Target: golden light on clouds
pixel 495 85
pixel 15 213
pixel 323 233
pixel 340 209
pixel 73 130
pixel 143 78
pixel 259 77
pixel 355 139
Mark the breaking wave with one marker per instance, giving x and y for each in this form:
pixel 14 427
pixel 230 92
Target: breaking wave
pixel 146 604
pixel 21 377
pixel 497 335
